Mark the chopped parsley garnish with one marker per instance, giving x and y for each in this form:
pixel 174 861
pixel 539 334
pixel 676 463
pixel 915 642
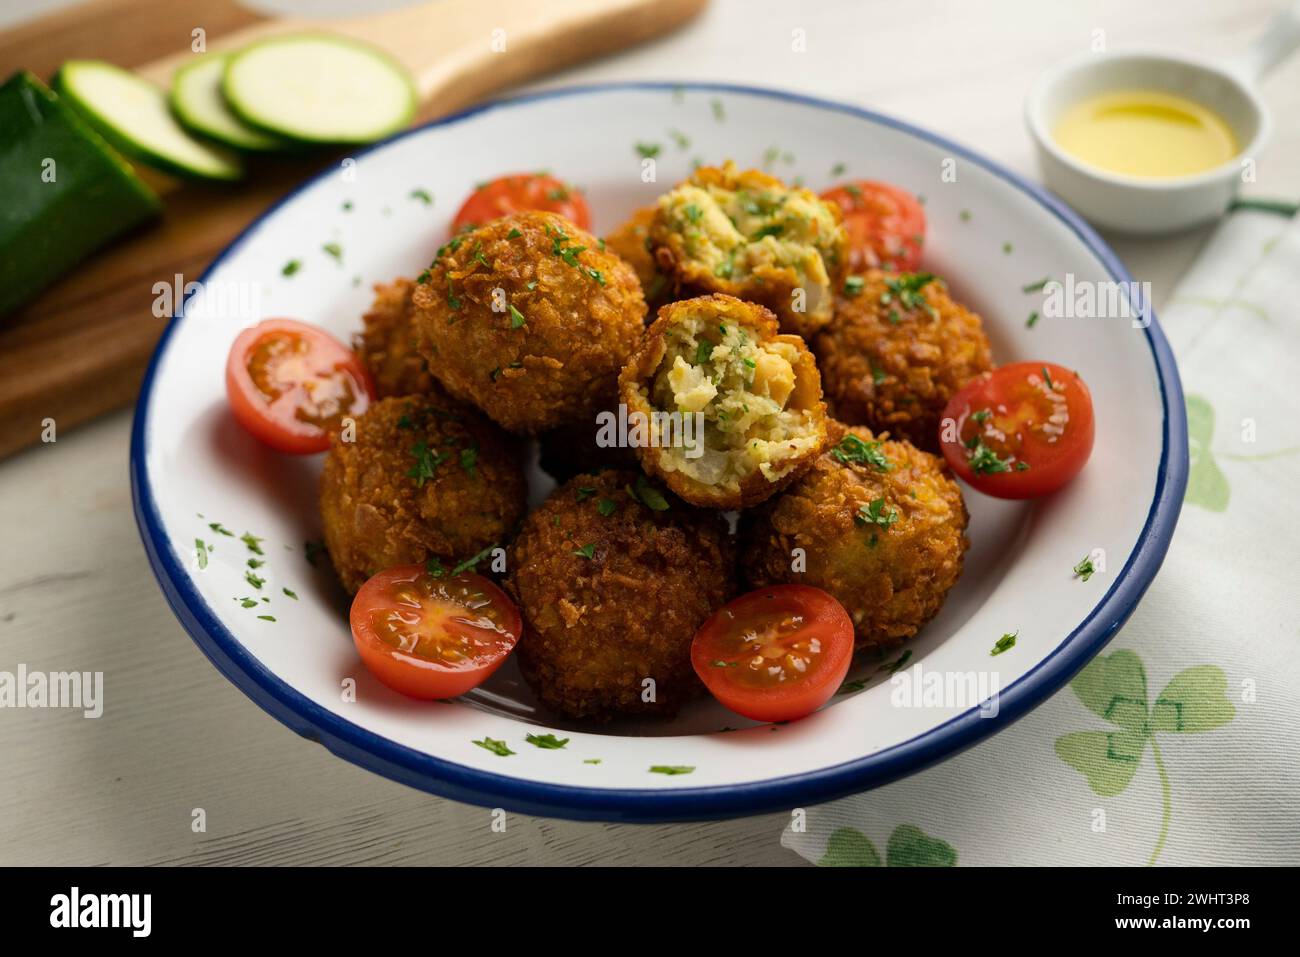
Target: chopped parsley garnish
pixel 557 194
pixel 469 459
pixel 255 563
pixel 964 215
pixel 1033 318
pixel 453 301
pixel 838 169
pixel 719 112
pixel 771 229
pixel 1036 286
pixel 498 748
pixel 851 686
pixel 984 461
pixel 702 351
pixel 878 376
pixel 854 450
pixel 547 742
pixel 1005 643
pixel 517 320
pixel 424 277
pixel 423 195
pixel 469 564
pixel 220 529
pixel 671 768
pixel 597 275
pixel 899 662
pixel 693 212
pixel 647 495
pixel 680 138
pixel 591 761
pixel 266 617
pixel 347 205
pixel 426 463
pixel 907 290
pixel 585 492
pixel 1006 248
pixel 291 267
pixel 587 551
pixel 202 551
pixel 435 567
pixel 254 580
pixel 334 250
pixel 648 150
pixel 253 542
pixel 513 234
pixel 1047 377
pixel 606 507
pixel 1085 568
pixel 853 285
pixel 247 602
pixel 981 416
pixel 289 593
pixel 876 513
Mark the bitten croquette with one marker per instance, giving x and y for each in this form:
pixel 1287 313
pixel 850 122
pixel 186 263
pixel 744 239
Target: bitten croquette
pixel 528 319
pixel 420 479
pixel 613 577
pixel 882 528
pixel 719 361
pixel 387 344
pixel 898 348
pixel 749 235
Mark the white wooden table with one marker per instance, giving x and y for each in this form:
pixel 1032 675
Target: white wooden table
pixel 76 592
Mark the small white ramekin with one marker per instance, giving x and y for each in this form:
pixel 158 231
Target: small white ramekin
pixel 1150 205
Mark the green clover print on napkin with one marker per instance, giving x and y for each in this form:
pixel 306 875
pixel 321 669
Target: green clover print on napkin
pixel 908 846
pixel 1206 484
pixel 1114 687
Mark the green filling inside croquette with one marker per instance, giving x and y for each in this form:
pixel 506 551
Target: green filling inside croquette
pixel 734 233
pixel 745 391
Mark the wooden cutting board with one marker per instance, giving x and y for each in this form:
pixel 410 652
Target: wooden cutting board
pixel 79 350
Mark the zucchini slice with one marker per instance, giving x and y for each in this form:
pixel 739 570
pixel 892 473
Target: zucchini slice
pixel 66 191
pixel 197 102
pixel 133 115
pixel 319 88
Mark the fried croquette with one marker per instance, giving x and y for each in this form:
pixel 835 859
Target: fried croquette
pixel 613 577
pixel 751 236
pixel 387 345
pixel 881 525
pixel 719 361
pixel 419 479
pixel 896 351
pixel 527 319
pixel 631 242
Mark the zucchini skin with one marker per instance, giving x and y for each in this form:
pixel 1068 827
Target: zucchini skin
pixel 140 152
pixel 47 227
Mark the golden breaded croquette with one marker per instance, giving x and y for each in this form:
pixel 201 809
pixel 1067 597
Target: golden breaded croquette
pixel 749 235
pixel 882 528
pixel 719 362
pixel 898 348
pixel 527 319
pixel 613 577
pixel 387 344
pixel 630 241
pixel 421 478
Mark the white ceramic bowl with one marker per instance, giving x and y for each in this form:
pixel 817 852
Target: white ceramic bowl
pixel 990 235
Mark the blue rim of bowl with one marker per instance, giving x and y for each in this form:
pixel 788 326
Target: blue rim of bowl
pixel 461 783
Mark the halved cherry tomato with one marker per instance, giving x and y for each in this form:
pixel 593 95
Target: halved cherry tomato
pixel 521 192
pixel 430 636
pixel 775 654
pixel 886 225
pixel 290 384
pixel 1020 431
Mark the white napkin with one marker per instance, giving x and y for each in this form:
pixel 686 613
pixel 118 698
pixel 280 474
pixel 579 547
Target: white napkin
pixel 1214 648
